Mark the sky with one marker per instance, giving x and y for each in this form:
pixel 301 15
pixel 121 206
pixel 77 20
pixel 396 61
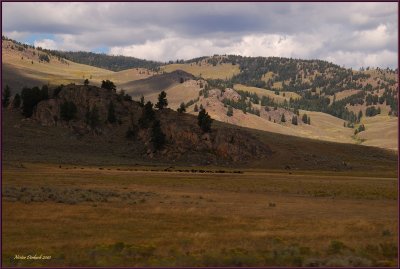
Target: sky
pixel 349 34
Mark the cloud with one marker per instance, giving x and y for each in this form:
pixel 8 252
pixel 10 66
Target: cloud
pixel 164 31
pixel 46 44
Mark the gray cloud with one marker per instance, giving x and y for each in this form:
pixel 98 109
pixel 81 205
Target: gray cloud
pixel 350 34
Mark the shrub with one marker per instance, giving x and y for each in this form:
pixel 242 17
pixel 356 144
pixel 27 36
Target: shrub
pixel 336 247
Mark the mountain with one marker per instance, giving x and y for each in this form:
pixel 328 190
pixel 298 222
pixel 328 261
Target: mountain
pixel 279 95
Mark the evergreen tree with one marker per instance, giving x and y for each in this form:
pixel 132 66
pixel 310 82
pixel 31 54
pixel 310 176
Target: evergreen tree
pixel 196 108
pixel 111 118
pixel 283 119
pixel 30 98
pixel 182 108
pixel 109 85
pixel 92 117
pixel 162 100
pixel 147 116
pixel 86 82
pixel 204 121
pixel 68 111
pixel 294 120
pixel 141 103
pixel 304 118
pixel 157 136
pixel 6 96
pixel 308 120
pixel 229 113
pixel 17 101
pixel 201 107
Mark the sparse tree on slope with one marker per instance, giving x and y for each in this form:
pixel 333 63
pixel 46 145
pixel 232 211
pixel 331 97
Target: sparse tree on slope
pixel 162 100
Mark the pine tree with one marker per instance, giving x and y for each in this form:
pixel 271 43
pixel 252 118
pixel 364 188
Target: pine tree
pixel 86 82
pixel 141 103
pixel 294 120
pixel 111 118
pixel 17 101
pixel 68 111
pixel 304 118
pixel 6 96
pixel 92 117
pixel 283 119
pixel 157 136
pixel 182 108
pixel 204 121
pixel 148 115
pixel 162 100
pixel 196 108
pixel 229 113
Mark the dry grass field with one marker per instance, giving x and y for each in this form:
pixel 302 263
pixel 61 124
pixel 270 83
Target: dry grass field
pixel 23 68
pixel 268 93
pixel 207 71
pixel 145 216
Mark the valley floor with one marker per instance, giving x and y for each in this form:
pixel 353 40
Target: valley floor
pixel 159 216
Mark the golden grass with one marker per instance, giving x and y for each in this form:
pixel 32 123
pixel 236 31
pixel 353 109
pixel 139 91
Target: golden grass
pixel 200 219
pixel 381 131
pixel 268 93
pixel 56 72
pixel 207 71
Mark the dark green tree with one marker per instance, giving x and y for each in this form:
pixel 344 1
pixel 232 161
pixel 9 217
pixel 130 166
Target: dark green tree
pixel 229 113
pixel 304 118
pixel 283 119
pixel 157 135
pixel 109 85
pixel 182 108
pixel 30 98
pixel 86 82
pixel 204 121
pixel 68 111
pixel 92 117
pixel 294 120
pixel 162 100
pixel 147 116
pixel 196 108
pixel 141 102
pixel 6 96
pixel 17 101
pixel 111 118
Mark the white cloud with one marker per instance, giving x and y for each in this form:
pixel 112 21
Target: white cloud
pixel 169 31
pixel 251 45
pixel 46 44
pixel 356 60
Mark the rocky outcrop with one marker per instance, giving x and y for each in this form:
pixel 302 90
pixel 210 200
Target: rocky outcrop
pixel 184 137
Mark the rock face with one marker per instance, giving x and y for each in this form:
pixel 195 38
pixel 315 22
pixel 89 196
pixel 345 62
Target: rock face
pixel 185 139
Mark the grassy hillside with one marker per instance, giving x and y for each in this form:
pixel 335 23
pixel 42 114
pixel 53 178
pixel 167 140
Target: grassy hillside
pixel 205 70
pixel 24 68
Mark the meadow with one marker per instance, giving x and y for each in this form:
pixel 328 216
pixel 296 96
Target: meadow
pixel 192 216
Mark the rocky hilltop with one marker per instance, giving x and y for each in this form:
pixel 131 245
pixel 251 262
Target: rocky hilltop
pixel 184 139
